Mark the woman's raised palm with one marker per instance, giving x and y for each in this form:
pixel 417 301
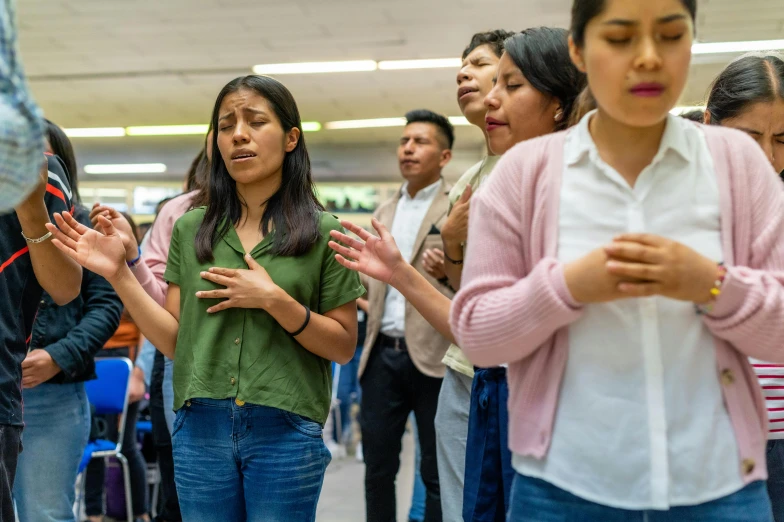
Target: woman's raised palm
pixel 375 256
pixel 103 254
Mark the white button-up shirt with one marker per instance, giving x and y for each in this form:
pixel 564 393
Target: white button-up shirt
pixel 409 215
pixel 641 422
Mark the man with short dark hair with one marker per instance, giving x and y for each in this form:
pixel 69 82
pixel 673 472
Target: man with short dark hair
pixel 474 82
pixel 401 368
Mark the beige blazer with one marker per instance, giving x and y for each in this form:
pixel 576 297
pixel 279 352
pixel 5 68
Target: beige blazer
pixel 425 345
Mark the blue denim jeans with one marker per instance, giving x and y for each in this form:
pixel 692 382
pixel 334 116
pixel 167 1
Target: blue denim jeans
pixel 536 500
pixel 57 425
pixel 419 493
pixel 247 463
pixel 168 392
pixel 349 393
pixel 776 478
pixel 489 473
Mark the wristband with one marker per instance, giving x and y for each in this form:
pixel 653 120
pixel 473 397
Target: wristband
pixel 305 325
pixel 135 262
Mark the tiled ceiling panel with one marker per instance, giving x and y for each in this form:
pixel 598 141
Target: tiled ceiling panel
pixel 153 62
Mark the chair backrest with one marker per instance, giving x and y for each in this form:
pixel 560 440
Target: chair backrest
pixel 109 392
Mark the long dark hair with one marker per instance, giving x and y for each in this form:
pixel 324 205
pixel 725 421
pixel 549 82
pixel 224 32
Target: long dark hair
pixel 747 80
pixel 293 210
pixel 201 176
pixel 61 146
pixel 542 54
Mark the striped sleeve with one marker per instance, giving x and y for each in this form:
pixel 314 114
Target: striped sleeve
pixel 59 197
pixel 771 379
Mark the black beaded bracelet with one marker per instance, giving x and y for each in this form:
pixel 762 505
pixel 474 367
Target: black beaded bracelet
pixel 456 262
pixel 307 321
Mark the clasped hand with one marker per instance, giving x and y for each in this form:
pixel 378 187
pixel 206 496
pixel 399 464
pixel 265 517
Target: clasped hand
pixel 640 265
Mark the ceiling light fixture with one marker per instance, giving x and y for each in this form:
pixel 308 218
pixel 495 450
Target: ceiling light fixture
pixel 311 126
pixel 365 124
pixel 736 47
pixel 378 123
pixel 167 130
pixel 126 168
pixel 436 63
pixel 316 67
pixel 96 132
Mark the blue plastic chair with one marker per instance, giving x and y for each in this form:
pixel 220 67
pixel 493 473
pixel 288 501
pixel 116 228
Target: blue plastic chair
pixel 109 395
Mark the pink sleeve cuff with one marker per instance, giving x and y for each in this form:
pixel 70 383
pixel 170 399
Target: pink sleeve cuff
pixel 733 294
pixel 558 279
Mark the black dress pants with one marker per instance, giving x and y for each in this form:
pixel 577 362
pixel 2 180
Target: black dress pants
pixel 169 506
pixel 392 387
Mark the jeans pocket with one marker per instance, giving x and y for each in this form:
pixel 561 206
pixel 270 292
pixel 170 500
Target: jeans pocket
pixel 304 425
pixel 179 420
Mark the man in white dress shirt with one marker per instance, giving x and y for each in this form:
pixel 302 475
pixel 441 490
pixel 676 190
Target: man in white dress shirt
pixel 401 368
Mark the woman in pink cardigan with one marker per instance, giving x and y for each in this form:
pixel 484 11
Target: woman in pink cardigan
pixel 748 95
pixel 625 270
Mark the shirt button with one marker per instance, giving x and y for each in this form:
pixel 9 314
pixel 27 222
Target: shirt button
pixel 237 341
pixel 239 402
pixel 727 377
pixel 233 381
pixel 748 466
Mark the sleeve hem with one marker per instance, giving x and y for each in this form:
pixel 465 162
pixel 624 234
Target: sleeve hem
pixel 336 302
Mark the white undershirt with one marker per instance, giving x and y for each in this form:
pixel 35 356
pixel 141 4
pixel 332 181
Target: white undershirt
pixel 409 214
pixel 641 422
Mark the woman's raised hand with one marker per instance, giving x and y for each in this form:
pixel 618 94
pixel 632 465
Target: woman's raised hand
pixel 121 225
pixel 375 256
pixel 103 254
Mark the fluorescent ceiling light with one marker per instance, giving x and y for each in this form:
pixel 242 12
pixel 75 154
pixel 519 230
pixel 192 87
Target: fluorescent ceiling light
pixel 366 124
pixel 737 47
pixel 316 67
pixel 126 168
pixel 438 63
pixel 167 130
pixel 311 126
pixel 96 132
pixel 377 123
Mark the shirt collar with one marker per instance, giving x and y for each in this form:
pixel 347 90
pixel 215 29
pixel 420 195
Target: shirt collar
pixel 423 195
pixel 674 138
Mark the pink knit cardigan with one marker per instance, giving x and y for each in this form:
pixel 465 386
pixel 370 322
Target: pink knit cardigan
pixel 514 306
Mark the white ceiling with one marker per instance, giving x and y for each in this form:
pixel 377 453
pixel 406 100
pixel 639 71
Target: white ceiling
pixel 98 63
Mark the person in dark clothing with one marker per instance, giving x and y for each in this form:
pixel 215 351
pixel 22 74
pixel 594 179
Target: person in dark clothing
pixel 29 264
pixel 63 344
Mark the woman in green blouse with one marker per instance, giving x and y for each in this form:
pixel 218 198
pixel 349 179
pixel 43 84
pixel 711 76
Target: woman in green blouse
pixel 264 307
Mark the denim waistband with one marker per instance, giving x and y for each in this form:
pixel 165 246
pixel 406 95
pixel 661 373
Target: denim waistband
pixel 490 374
